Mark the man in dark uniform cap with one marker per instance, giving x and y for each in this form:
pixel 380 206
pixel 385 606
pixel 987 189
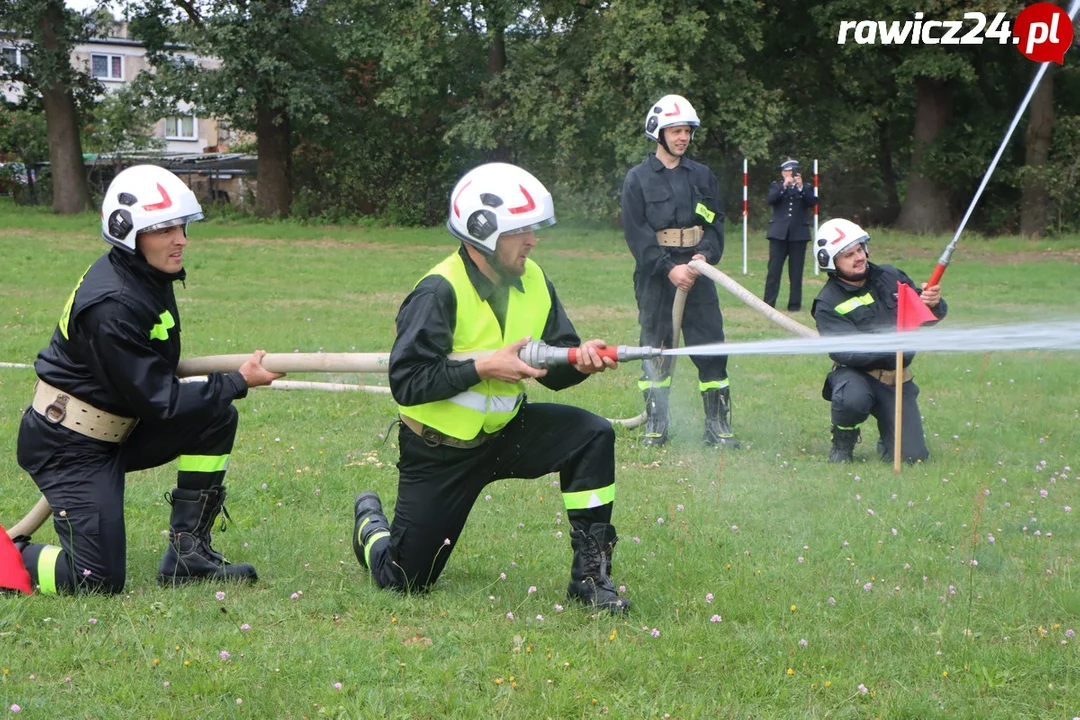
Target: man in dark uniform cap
pixel 789 233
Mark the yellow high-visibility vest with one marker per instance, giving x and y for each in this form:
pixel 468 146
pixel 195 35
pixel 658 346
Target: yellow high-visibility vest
pixel 490 404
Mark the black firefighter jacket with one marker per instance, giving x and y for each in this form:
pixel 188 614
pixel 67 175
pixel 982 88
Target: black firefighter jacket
pixel 118 344
pixel 841 308
pixel 655 198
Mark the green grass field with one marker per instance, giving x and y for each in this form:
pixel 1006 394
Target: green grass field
pixel 766 583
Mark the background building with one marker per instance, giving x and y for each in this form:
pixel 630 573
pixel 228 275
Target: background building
pixel 116 61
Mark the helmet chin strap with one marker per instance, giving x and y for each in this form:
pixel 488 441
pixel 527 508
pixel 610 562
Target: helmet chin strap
pixel 494 264
pixel 850 278
pixel 501 270
pixel 663 141
pixel 484 256
pixel 663 138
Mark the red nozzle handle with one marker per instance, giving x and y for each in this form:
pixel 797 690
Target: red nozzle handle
pixel 609 352
pixel 935 277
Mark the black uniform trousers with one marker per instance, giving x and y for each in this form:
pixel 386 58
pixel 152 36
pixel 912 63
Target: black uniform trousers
pixel 795 255
pixel 703 323
pixel 856 396
pixel 83 480
pixel 438 486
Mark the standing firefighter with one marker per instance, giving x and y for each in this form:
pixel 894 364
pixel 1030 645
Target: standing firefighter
pixel 672 214
pixel 467 423
pixel 108 402
pixel 861 297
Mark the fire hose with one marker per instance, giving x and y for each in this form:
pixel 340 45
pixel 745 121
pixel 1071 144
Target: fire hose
pixel 535 353
pixel 752 300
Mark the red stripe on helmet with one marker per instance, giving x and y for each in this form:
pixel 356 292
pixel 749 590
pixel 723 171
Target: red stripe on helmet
pixel 842 236
pixel 457 212
pixel 166 201
pixel 673 112
pixel 530 204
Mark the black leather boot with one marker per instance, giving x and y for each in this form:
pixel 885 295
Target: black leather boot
pixel 369 519
pixel 843 444
pixel 656 417
pixel 718 418
pixel 590 574
pixel 189 557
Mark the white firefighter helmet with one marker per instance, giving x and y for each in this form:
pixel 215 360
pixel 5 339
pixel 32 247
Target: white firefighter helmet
pixel 834 237
pixel 144 198
pixel 497 199
pixel 670 111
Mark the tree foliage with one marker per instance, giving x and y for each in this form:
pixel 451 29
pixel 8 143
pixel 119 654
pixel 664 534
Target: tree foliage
pixel 375 107
pixel 45 31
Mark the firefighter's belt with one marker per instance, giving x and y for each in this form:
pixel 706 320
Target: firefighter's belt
pixel 889 376
pixel 60 408
pixel 434 438
pixel 680 237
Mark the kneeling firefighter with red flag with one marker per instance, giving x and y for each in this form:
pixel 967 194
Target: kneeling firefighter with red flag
pixel 861 297
pixel 107 402
pixel 467 423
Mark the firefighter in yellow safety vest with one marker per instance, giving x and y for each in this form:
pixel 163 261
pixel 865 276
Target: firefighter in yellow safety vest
pixel 467 423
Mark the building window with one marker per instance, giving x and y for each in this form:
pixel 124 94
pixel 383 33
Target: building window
pixel 13 57
pixel 180 127
pixel 107 67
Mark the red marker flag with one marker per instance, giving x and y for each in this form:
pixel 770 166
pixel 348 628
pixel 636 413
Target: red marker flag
pixel 911 313
pixel 13 573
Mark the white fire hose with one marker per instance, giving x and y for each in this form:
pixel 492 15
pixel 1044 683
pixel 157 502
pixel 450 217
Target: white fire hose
pixel 752 300
pixel 536 353
pixel 380 363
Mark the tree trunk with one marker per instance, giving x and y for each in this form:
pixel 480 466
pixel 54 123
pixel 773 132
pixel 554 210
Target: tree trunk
pixel 496 65
pixel 70 190
pixel 888 173
pixel 274 193
pixel 926 202
pixel 1036 201
pixel 497 52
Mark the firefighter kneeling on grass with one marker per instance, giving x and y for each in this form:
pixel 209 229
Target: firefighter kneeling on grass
pixel 467 423
pixel 861 297
pixel 108 402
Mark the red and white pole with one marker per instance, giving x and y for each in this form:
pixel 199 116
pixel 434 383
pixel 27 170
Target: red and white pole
pixel 817 194
pixel 744 216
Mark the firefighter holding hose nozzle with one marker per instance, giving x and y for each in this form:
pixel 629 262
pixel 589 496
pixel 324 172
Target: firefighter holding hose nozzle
pixel 467 423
